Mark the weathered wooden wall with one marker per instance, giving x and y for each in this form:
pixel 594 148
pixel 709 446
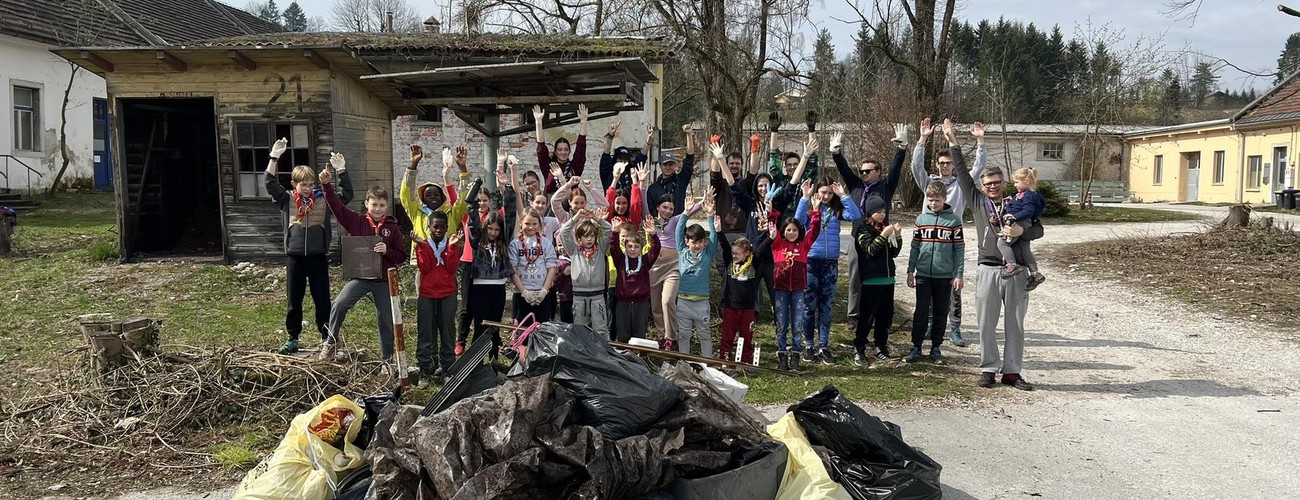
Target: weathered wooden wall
pixel 363 132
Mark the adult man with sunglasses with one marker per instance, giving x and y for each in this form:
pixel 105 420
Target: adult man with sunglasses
pixel 994 296
pixel 868 181
pixel 956 198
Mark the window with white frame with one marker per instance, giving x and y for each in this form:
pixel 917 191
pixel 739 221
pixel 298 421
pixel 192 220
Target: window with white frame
pixel 1254 170
pixel 1159 170
pixel 27 118
pixel 1051 150
pixel 253 140
pixel 1219 157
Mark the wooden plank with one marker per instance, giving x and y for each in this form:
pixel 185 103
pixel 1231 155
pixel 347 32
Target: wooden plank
pixel 170 60
pixel 242 60
pixel 97 60
pixel 527 99
pixel 316 59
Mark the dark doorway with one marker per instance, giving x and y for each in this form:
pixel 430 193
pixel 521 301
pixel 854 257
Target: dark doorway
pixel 171 178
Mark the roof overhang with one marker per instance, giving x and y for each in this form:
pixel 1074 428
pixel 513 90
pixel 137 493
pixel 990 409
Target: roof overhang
pixel 605 86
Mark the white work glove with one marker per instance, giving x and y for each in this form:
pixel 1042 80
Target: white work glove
pixel 837 140
pixel 717 151
pixel 900 134
pixel 338 162
pixel 279 147
pixel 448 159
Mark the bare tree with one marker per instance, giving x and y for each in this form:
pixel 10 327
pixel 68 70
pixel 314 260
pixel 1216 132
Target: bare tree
pixel 929 48
pixel 371 16
pixel 77 31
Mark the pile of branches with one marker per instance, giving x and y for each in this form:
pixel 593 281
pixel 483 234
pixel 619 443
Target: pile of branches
pixel 161 411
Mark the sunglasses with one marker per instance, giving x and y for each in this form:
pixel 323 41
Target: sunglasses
pixel 866 171
pixel 945 163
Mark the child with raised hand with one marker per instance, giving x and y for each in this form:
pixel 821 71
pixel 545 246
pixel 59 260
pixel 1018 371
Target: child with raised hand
pixel 586 237
pixel 790 244
pixel 579 195
pixel 307 237
pixel 1022 209
pixel 665 276
pixel 534 201
pixel 934 268
pixel 878 244
pixel 740 297
pixel 632 264
pixel 834 207
pixel 566 160
pixel 532 255
pixel 696 247
pixel 437 259
pixel 374 222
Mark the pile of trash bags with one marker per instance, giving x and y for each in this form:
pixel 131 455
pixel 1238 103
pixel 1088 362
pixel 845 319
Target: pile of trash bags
pixel 574 418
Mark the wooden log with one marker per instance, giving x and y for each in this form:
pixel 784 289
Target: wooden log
pixel 6 236
pixel 106 352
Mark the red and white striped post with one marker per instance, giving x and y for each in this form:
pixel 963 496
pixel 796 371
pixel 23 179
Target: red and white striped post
pixel 399 339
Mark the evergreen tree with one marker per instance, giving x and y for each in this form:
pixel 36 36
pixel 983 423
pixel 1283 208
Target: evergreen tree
pixel 1171 98
pixel 827 77
pixel 294 18
pixel 1203 82
pixel 1289 61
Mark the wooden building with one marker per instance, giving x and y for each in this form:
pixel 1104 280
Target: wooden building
pixel 193 124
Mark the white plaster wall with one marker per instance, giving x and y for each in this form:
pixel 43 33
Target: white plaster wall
pixel 31 64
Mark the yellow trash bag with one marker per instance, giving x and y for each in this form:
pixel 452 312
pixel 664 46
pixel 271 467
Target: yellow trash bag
pixel 805 476
pixel 309 462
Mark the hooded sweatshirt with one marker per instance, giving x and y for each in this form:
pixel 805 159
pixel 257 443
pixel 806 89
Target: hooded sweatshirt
pixel 633 282
pixel 590 274
pixel 412 199
pixel 876 255
pixel 790 259
pixel 955 198
pixel 360 224
pixel 307 228
pixel 938 245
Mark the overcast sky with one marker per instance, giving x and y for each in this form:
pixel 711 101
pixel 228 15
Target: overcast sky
pixel 1247 33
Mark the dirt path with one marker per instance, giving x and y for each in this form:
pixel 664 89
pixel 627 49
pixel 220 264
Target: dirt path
pixel 1137 398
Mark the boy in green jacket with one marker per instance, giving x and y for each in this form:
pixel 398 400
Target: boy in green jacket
pixel 934 268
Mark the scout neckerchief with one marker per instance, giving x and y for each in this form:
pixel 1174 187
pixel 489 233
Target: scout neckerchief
pixel 373 224
pixel 303 211
pixel 587 253
pixel 627 263
pixel 739 268
pixel 994 210
pixel 693 261
pixel 438 248
pixel 528 254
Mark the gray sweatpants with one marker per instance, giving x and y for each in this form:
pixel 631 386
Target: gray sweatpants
pixel 693 319
pixel 348 297
pixel 855 287
pixel 996 297
pixel 954 312
pixel 592 311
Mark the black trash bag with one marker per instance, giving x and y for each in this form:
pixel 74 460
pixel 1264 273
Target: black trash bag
pixel 394 465
pixel 373 405
pixel 872 461
pixel 710 418
pixel 626 468
pixel 755 472
pixel 618 397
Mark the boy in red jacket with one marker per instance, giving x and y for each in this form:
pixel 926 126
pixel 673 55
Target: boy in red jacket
pixel 437 259
pixel 375 222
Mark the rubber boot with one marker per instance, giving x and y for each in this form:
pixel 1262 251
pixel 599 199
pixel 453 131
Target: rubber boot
pixel 782 361
pixel 793 357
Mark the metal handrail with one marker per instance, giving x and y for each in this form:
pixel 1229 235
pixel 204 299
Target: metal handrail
pixel 25 165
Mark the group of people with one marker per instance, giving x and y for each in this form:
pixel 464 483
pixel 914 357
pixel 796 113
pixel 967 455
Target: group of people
pixel 617 257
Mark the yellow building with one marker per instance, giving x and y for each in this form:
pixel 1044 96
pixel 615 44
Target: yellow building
pixel 1241 159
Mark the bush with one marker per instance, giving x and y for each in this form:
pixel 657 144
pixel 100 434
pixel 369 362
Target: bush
pixel 1056 204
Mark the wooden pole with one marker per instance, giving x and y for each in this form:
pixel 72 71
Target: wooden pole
pixel 399 339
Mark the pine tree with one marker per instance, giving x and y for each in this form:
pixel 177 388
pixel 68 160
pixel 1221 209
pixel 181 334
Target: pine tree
pixel 1289 61
pixel 1171 99
pixel 1203 82
pixel 294 18
pixel 270 12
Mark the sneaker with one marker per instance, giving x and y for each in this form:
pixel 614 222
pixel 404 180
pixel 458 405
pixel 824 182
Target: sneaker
pixel 860 359
pixel 1011 271
pixel 882 355
pixel 783 361
pixel 826 357
pixel 913 355
pixel 793 357
pixel 987 380
pixel 1034 280
pixel 460 348
pixel 290 346
pixel 808 354
pixel 327 351
pixel 936 355
pixel 955 337
pixel 1015 380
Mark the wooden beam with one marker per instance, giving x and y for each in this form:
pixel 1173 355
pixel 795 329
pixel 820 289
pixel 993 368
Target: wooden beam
pixel 507 100
pixel 316 59
pixel 242 59
pixel 97 60
pixel 175 62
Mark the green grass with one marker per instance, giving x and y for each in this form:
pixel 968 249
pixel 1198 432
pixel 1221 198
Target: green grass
pixel 1107 214
pixel 252 446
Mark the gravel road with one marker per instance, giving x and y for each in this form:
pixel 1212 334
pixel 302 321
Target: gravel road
pixel 1137 398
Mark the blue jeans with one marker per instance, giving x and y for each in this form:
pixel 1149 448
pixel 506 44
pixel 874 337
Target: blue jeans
pixel 817 300
pixel 789 309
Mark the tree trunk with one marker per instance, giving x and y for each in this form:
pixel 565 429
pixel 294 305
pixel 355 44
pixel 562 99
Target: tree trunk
pixel 1238 216
pixel 63 131
pixel 6 236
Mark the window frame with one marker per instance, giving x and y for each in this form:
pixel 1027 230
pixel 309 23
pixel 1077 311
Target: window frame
pixel 249 167
pixel 1158 171
pixel 33 118
pixel 1254 172
pixel 1043 151
pixel 1218 175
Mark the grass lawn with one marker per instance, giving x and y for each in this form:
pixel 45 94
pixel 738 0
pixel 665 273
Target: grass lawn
pixel 1108 213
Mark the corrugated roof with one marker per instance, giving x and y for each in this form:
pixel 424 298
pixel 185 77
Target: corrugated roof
pixel 1179 128
pixel 126 23
pixel 447 44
